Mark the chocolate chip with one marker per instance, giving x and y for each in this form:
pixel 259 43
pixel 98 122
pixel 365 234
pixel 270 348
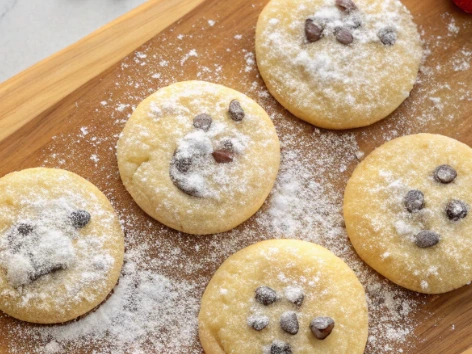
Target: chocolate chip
pixel 227 145
pixel 387 35
pixel 344 35
pixel 266 295
pixel 346 5
pixel 313 31
pixel 279 347
pixel 354 22
pixel 456 209
pixel 289 322
pixel 445 174
pixel 185 187
pixel 235 111
pixel 202 121
pixel 258 322
pixel 24 228
pixel 414 200
pixel 321 327
pixel 222 156
pixel 183 164
pixel 79 218
pixel 44 270
pixel 295 295
pixel 426 238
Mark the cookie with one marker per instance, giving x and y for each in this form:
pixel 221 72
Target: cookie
pixel 283 296
pixel 61 245
pixel 199 157
pixel 338 64
pixel 407 212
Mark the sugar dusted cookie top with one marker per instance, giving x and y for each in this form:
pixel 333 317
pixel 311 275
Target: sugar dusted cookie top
pixel 282 297
pixel 338 64
pixel 199 157
pixel 407 212
pixel 61 245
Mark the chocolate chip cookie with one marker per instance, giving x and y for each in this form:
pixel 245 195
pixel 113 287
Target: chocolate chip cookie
pixel 282 297
pixel 199 157
pixel 338 64
pixel 61 245
pixel 407 212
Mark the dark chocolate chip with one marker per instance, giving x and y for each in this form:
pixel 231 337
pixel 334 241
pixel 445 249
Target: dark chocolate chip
pixel 344 35
pixel 414 200
pixel 43 270
pixel 258 322
pixel 227 145
pixel 279 347
pixel 313 31
pixel 289 322
pixel 295 295
pixel 235 111
pixel 202 121
pixel 222 156
pixel 184 187
pixel 183 164
pixel 321 327
pixel 24 228
pixel 426 238
pixel 445 174
pixel 79 218
pixel 299 300
pixel 346 5
pixel 387 35
pixel 456 209
pixel 354 22
pixel 266 295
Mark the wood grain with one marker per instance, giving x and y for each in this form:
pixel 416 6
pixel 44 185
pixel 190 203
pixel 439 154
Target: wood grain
pixel 40 87
pixel 37 130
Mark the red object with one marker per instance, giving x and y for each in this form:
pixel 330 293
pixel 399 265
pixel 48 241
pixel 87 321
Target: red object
pixel 465 5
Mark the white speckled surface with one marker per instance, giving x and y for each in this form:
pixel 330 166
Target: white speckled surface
pixel 31 30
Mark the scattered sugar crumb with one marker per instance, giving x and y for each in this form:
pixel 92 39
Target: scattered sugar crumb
pixel 452 27
pixel 360 155
pixel 191 53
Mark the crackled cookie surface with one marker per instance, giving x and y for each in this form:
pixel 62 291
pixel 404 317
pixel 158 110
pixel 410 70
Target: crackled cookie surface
pixel 338 64
pixel 199 157
pixel 407 212
pixel 282 297
pixel 61 245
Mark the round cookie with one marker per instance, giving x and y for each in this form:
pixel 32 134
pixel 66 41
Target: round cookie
pixel 406 211
pixel 61 245
pixel 282 297
pixel 199 157
pixel 338 64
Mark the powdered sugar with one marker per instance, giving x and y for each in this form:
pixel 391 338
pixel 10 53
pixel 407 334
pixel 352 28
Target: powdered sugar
pixel 306 202
pixel 143 304
pixel 197 147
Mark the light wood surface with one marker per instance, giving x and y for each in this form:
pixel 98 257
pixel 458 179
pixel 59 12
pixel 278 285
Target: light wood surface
pixel 44 108
pixel 43 85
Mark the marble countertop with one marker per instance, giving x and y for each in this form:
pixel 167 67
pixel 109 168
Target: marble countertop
pixel 31 30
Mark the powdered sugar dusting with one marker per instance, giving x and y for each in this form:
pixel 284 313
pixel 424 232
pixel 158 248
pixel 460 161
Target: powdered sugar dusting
pixel 166 272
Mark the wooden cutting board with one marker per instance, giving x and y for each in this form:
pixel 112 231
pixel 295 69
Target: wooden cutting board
pixel 90 86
